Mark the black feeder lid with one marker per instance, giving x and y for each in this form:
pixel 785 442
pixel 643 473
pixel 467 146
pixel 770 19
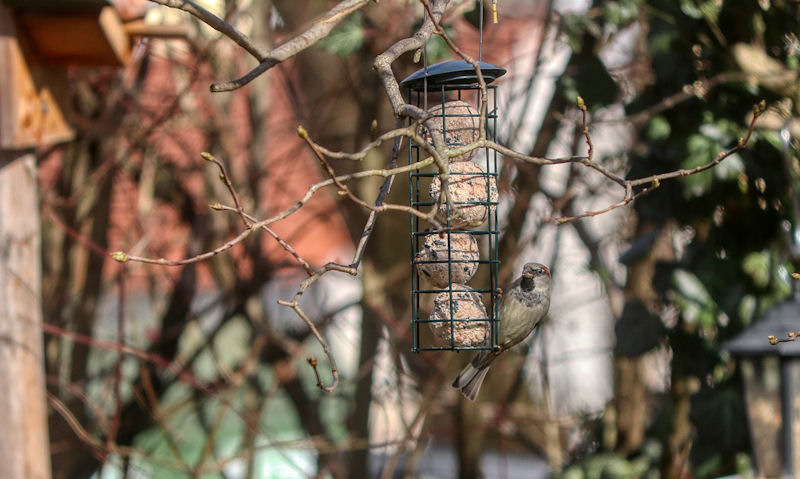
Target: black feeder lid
pixel 778 321
pixel 452 74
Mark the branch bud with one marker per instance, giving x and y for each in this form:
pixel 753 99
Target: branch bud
pixel 301 132
pixel 207 156
pixel 772 340
pixel 215 206
pixel 581 103
pixel 120 256
pixel 373 129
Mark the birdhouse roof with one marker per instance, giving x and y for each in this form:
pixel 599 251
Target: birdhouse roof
pixel 56 5
pixel 778 321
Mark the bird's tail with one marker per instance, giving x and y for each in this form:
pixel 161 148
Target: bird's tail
pixel 471 377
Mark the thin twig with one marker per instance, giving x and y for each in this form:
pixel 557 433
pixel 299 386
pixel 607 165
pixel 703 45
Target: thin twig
pixel 654 181
pixel 124 257
pixel 218 24
pixel 790 336
pixel 740 145
pixel 426 402
pixel 223 175
pixel 295 305
pixel 286 246
pixel 379 200
pixel 375 208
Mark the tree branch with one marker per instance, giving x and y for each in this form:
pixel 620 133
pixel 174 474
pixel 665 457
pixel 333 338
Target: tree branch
pixel 319 29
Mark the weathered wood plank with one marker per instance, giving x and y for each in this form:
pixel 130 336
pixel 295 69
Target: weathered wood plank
pixel 31 95
pixel 24 444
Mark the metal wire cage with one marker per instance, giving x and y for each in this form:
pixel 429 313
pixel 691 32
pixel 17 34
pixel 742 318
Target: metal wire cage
pixel 454 290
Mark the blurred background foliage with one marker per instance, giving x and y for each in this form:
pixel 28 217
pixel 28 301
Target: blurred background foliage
pixel 735 224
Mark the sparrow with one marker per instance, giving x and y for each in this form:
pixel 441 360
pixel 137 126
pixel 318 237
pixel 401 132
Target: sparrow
pixel 522 307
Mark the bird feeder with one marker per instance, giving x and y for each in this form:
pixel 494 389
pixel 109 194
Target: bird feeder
pixel 771 374
pixel 454 289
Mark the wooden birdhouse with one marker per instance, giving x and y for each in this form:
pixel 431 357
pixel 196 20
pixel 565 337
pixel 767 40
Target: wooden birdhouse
pixel 38 39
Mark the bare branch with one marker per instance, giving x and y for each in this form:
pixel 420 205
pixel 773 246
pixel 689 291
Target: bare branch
pixel 655 180
pixel 218 24
pixel 124 257
pixel 383 63
pixel 286 246
pixel 319 29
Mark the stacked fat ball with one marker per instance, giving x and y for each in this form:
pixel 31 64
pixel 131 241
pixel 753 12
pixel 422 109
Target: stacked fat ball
pixel 464 306
pixel 470 191
pixel 457 122
pixel 448 259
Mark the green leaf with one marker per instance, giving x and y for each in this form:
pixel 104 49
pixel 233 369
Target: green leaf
pixel 710 11
pixel 698 308
pixel 660 42
pixel 757 265
pixel 437 49
pixel 747 308
pixel 347 38
pixel 658 128
pixel 622 12
pixel 603 465
pixel 703 148
pixel 690 9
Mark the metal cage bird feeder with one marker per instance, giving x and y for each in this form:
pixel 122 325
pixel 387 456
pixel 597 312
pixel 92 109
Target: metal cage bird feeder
pixel 454 289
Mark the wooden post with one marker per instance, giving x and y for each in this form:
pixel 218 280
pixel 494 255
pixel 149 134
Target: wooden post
pixel 30 115
pixel 24 446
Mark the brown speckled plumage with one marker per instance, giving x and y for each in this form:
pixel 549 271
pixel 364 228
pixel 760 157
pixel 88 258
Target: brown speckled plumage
pixel 523 306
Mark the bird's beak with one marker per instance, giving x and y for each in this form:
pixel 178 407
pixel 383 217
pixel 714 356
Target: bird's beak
pixel 531 275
